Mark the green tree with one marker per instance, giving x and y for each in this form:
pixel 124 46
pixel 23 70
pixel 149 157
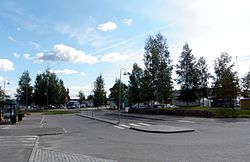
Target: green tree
pixel 63 93
pixel 24 91
pixel 146 90
pixel 40 90
pixel 158 68
pixel 1 94
pixel 226 83
pixel 115 90
pixel 81 96
pixel 53 87
pixel 99 91
pixel 246 85
pixel 49 89
pixel 187 75
pixel 135 81
pixel 90 97
pixel 203 77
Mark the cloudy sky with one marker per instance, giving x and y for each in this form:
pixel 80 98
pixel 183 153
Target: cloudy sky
pixel 79 40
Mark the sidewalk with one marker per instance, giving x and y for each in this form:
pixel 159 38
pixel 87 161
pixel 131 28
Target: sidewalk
pixel 30 125
pixel 44 155
pixel 145 128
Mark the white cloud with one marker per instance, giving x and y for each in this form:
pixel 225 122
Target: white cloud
pixel 85 35
pixel 19 29
pixel 114 57
pixel 35 45
pixel 26 20
pixel 6 65
pixel 27 56
pixel 11 38
pixel 39 72
pixel 68 72
pixel 73 90
pixel 107 26
pixel 2 78
pixel 83 74
pixel 128 21
pixel 16 55
pixel 61 52
pixel 65 71
pixel 208 26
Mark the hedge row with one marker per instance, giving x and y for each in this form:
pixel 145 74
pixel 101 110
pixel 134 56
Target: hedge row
pixel 178 112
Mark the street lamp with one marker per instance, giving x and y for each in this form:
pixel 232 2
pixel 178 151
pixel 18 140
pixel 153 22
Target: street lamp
pixel 4 95
pixel 4 87
pixel 26 97
pixel 119 106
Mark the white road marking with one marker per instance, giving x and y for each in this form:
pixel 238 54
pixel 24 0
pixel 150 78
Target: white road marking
pixel 135 125
pixel 41 122
pixel 144 124
pixel 118 127
pixel 17 141
pixel 7 127
pixel 185 121
pixel 65 130
pixel 123 125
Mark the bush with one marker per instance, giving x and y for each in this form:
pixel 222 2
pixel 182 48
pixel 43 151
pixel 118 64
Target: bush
pixel 178 112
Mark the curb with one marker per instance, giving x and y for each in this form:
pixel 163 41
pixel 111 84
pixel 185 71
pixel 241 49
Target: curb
pixel 141 117
pixel 48 134
pixel 99 119
pixel 32 154
pixel 161 131
pixel 181 130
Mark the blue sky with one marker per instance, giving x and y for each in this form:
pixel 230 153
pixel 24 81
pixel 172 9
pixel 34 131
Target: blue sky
pixel 80 40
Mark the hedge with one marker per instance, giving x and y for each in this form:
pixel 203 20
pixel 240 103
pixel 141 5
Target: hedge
pixel 177 112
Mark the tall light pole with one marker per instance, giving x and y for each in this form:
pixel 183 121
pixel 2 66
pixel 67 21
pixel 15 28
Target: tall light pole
pixel 92 88
pixel 47 92
pixel 119 106
pixel 26 97
pixel 4 87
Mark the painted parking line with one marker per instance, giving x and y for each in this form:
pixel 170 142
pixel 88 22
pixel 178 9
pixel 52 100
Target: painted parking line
pixel 185 121
pixel 118 127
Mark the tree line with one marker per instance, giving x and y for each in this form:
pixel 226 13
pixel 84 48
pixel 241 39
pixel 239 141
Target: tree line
pixel 47 90
pixel 151 84
pixel 154 83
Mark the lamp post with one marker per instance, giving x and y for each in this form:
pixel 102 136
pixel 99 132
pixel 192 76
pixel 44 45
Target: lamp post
pixel 4 87
pixel 47 92
pixel 26 97
pixel 92 87
pixel 4 97
pixel 119 106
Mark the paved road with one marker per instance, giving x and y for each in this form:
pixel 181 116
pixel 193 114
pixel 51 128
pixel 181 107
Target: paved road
pixel 214 139
pixel 19 143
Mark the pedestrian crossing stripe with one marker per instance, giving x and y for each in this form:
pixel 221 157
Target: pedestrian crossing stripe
pixel 135 125
pixel 123 125
pixel 17 141
pixel 118 127
pixel 144 124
